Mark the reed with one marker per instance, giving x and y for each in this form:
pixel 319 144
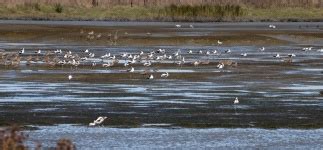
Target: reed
pixel 201 12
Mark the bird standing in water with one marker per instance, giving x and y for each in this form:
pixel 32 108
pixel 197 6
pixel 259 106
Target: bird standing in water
pixel 236 101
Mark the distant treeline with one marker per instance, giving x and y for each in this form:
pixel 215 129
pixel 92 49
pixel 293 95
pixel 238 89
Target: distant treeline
pixel 109 3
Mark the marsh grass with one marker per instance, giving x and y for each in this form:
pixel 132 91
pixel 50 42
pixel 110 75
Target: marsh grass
pixel 201 13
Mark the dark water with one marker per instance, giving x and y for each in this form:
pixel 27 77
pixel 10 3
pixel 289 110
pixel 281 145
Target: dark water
pixel 272 94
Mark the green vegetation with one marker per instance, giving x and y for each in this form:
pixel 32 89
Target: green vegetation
pixel 38 11
pixel 58 8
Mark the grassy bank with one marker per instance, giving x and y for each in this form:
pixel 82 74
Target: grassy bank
pixel 170 13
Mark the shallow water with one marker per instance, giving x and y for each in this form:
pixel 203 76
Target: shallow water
pixel 272 92
pixel 178 138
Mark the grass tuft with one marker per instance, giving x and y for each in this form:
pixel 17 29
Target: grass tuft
pixel 58 8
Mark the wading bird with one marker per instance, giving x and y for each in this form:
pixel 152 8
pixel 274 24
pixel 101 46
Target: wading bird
pixel 236 101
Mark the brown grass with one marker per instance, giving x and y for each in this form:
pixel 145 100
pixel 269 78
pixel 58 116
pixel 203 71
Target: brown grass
pixel 109 3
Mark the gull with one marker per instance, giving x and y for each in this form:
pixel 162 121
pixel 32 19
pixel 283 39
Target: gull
pixel 228 51
pixel 262 49
pixel 84 58
pixel 161 51
pixel 191 26
pixel 86 51
pixel 277 55
pixel 131 70
pixel 106 65
pixel 124 55
pixel 91 55
pixel 196 63
pixel 70 77
pixel 58 51
pixel 164 75
pixel 113 57
pixel 91 33
pixel 147 64
pixel 99 36
pixel 220 66
pixel 236 101
pixel 141 53
pixel 22 51
pixel 272 26
pixel 126 64
pixel 98 121
pixel 190 51
pixel 244 54
pixel 150 77
pixel 219 42
pixel 38 52
pixel 291 55
pixel 201 52
pixel 320 50
pixel 106 55
pixel 178 26
pixel 208 53
pixel 215 51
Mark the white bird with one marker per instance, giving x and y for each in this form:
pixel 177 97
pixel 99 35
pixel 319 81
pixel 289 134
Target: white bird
pixel 91 33
pixel 164 75
pixel 106 55
pixel 106 65
pixel 22 51
pixel 277 55
pixel 244 54
pixel 70 77
pixel 58 51
pixel 191 26
pixel 150 77
pixel 320 50
pixel 38 52
pixel 228 51
pixel 219 42
pixel 208 53
pixel 190 51
pixel 236 101
pixel 91 55
pixel 86 51
pixel 201 52
pixel 196 63
pixel 262 49
pixel 291 55
pixel 131 70
pixel 272 26
pixel 147 64
pixel 220 65
pixel 98 121
pixel 178 26
pixel 215 51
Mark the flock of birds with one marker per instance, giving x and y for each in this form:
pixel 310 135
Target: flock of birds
pixel 128 60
